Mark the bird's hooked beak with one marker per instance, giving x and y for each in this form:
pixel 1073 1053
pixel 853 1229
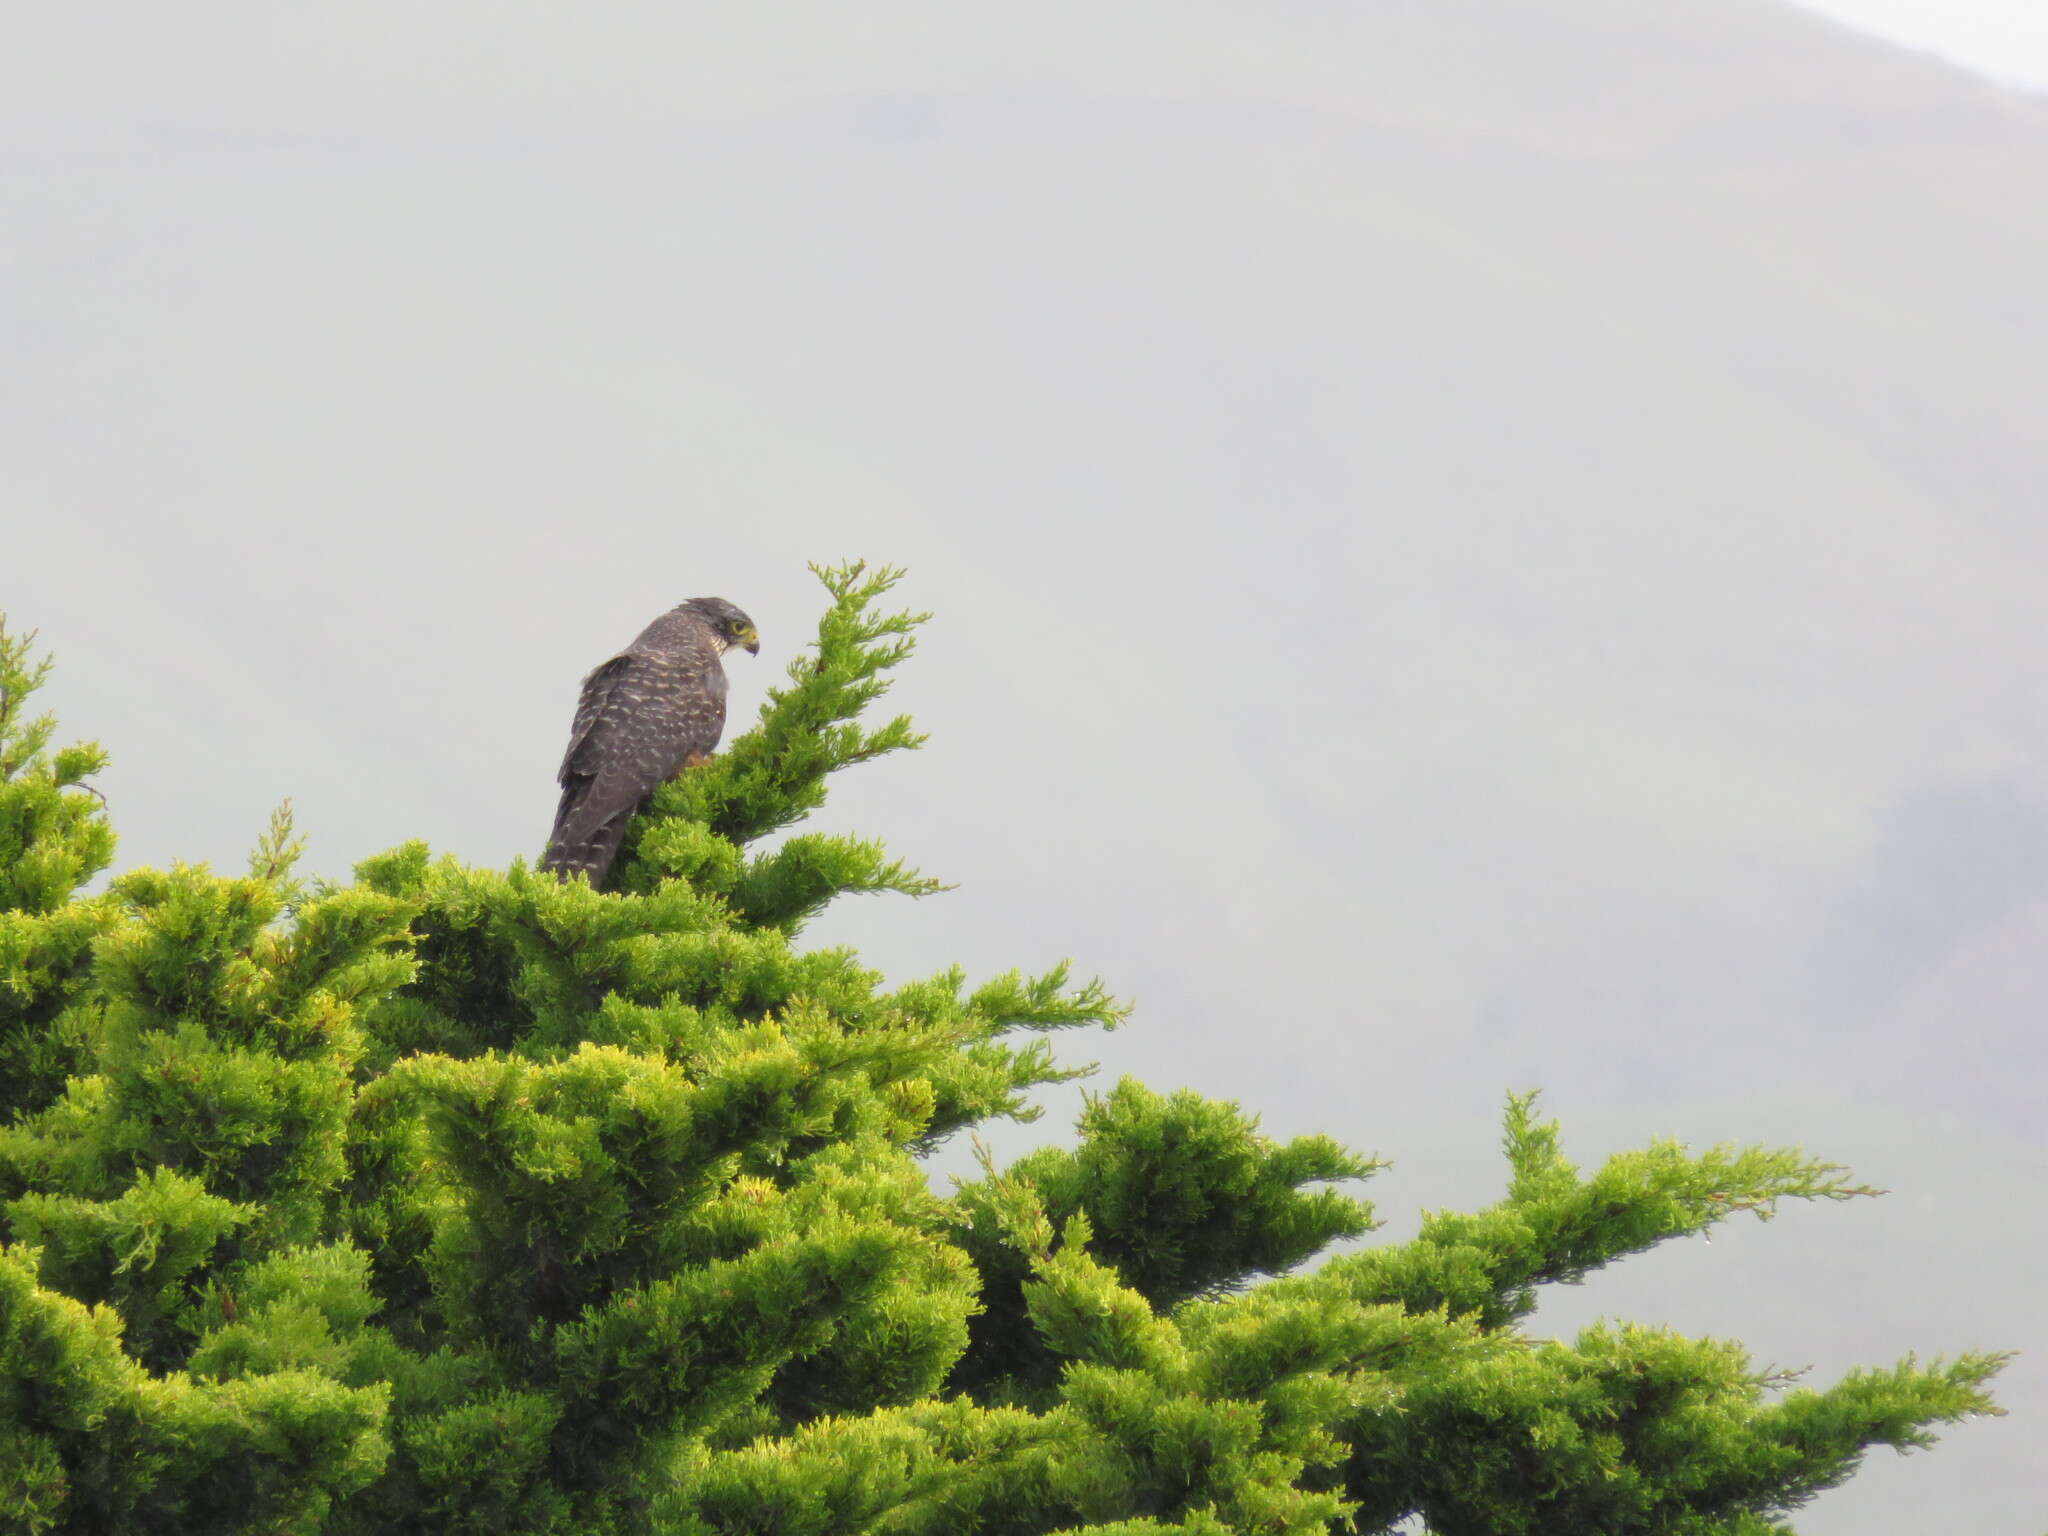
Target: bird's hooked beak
pixel 751 639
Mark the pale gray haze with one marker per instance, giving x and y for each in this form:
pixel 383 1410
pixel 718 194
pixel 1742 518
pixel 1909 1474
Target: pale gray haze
pixel 1477 545
pixel 2006 39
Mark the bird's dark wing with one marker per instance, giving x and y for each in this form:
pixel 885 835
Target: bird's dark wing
pixel 599 689
pixel 642 717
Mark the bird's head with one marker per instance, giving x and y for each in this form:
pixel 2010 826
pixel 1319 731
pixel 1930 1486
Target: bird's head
pixel 730 625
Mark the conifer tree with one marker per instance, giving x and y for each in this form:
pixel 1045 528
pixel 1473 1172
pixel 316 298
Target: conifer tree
pixel 460 1200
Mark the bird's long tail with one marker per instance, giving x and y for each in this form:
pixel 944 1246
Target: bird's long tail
pixel 591 855
pixel 574 847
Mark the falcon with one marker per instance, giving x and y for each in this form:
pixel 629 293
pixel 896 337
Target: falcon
pixel 653 710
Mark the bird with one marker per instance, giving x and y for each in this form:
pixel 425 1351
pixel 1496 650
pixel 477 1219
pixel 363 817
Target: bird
pixel 651 711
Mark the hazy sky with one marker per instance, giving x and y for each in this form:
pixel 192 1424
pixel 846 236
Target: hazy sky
pixel 1478 545
pixel 2007 39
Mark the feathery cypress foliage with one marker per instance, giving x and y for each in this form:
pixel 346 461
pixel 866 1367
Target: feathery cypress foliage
pixel 463 1200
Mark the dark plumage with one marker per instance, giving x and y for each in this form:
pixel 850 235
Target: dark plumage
pixel 654 709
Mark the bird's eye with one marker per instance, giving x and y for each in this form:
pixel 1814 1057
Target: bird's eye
pixel 737 626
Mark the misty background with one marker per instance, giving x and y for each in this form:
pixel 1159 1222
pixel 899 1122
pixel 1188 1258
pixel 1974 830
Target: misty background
pixel 1475 546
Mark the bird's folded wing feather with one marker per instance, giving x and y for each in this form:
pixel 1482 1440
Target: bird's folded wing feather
pixel 601 690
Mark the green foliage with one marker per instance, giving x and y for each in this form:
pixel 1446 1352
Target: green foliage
pixel 54 837
pixel 1188 1199
pixel 1555 1227
pixel 465 1200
